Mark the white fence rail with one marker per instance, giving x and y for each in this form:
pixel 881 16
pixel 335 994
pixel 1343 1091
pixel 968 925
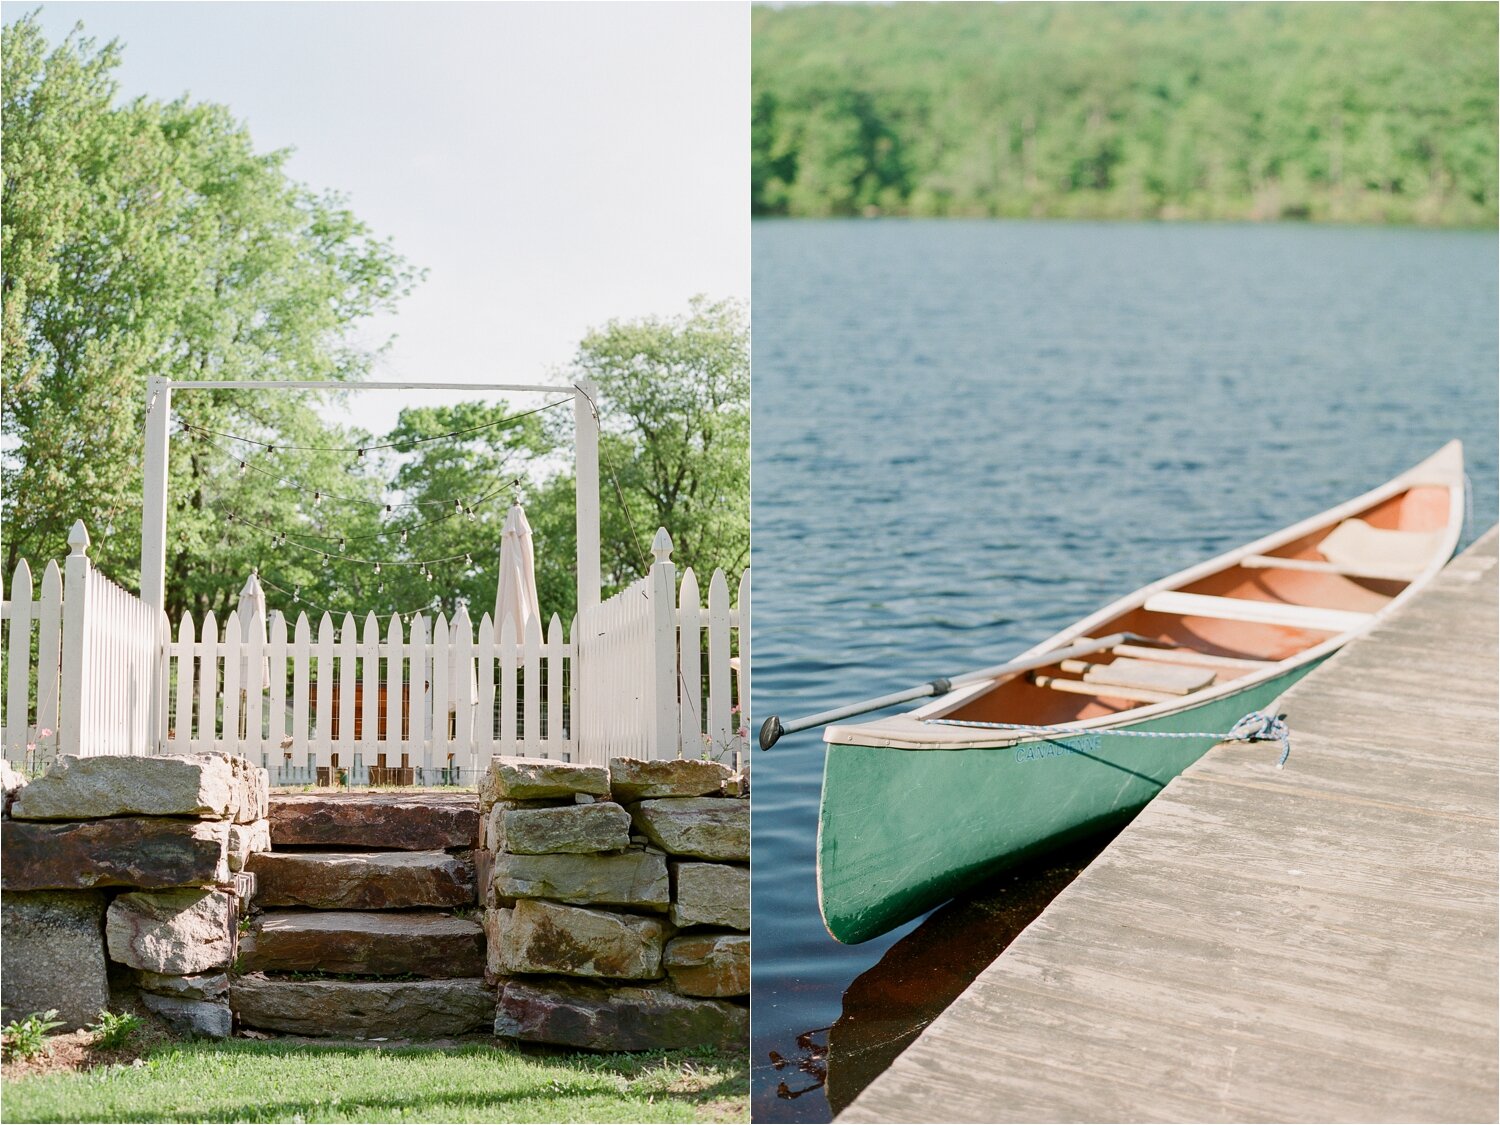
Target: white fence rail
pixel 650 672
pixel 83 674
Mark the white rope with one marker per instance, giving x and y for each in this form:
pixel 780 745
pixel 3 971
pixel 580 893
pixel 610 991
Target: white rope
pixel 1258 726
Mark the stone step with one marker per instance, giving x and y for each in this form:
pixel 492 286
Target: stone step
pixel 417 821
pixel 362 880
pixel 374 943
pixel 420 1009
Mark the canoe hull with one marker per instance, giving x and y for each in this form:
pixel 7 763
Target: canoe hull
pixel 901 831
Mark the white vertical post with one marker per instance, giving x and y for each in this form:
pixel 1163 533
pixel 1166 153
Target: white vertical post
pixel 586 477
pixel 663 733
pixel 154 501
pixel 75 643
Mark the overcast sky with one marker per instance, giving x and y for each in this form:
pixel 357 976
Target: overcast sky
pixel 552 165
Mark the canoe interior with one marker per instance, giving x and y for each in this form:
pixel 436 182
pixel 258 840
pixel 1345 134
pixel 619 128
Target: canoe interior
pixel 1018 699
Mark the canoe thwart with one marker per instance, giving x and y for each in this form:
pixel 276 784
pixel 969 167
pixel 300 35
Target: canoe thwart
pixel 1261 613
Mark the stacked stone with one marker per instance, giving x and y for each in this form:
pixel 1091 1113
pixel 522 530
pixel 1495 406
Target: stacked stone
pixel 617 902
pixel 132 860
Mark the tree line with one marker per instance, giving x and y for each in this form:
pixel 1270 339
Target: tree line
pixel 1356 112
pixel 147 238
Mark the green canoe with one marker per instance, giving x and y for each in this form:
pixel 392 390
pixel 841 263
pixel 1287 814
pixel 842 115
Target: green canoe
pixel 921 806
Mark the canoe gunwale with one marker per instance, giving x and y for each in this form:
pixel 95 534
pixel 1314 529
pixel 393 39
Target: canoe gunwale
pixel 909 731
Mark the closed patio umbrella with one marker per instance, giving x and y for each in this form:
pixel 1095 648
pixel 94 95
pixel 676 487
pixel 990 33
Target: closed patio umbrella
pixel 252 611
pixel 252 614
pixel 515 594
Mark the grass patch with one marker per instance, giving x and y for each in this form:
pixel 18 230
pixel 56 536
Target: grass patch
pixel 239 1080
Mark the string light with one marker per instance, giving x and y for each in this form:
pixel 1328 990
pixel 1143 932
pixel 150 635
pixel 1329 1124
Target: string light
pixel 296 596
pixel 320 494
pixel 279 539
pixel 360 451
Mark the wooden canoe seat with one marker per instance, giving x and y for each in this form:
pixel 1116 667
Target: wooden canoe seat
pixel 1108 691
pixel 1261 613
pixel 1377 552
pixel 1354 549
pixel 1188 656
pixel 1173 679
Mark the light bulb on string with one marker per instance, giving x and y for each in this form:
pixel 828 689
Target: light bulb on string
pixel 457 507
pixel 377 568
pixel 388 510
pixel 470 511
pixel 342 544
pixel 403 535
pixel 297 595
pixel 244 468
pixel 468 560
pixel 317 499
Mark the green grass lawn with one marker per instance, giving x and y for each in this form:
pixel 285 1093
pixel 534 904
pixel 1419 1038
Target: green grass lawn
pixel 237 1080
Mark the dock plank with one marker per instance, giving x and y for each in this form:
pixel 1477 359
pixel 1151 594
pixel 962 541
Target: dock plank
pixel 1317 943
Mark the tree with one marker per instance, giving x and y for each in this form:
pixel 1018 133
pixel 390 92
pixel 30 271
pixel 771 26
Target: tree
pixel 149 239
pixel 674 406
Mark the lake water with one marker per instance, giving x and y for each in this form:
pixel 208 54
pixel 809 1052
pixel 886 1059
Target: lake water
pixel 969 434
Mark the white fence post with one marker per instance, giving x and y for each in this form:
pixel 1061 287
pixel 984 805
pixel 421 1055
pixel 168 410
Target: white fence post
pixel 664 737
pixel 586 478
pixel 73 707
pixel 154 494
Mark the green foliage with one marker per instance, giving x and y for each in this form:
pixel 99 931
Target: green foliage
pixel 115 1029
pixel 674 451
pixel 27 1038
pixel 240 1080
pixel 151 238
pixel 1343 112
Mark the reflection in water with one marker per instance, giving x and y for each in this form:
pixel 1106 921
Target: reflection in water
pixel 889 1005
pixel 813 1063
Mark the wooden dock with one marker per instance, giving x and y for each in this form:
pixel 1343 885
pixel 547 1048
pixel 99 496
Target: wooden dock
pixel 1315 944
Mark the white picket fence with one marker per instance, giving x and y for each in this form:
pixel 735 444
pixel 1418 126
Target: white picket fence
pixel 644 650
pixel 352 699
pixel 647 673
pixel 83 674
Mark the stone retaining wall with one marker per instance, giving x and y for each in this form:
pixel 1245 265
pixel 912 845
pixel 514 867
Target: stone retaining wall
pixel 135 861
pixel 617 902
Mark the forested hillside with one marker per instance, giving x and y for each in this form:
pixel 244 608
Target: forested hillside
pixel 1378 112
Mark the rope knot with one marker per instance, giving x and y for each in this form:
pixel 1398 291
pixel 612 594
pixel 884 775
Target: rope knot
pixel 1260 726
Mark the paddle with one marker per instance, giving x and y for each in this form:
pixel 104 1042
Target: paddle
pixel 773 728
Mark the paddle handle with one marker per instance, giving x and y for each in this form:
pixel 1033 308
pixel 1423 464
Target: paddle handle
pixel 773 728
